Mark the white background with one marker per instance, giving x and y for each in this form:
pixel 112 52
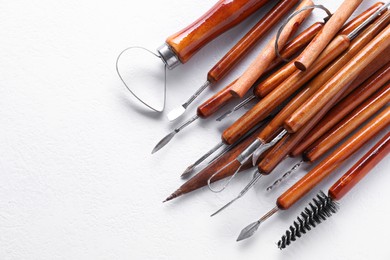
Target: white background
pixel 77 180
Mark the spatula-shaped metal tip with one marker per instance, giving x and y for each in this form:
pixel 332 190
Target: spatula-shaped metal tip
pixel 164 141
pixel 226 114
pixel 176 113
pixel 249 230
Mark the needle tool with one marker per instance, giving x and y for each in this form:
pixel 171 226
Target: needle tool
pixel 318 141
pixel 322 170
pixel 181 46
pixel 271 82
pixel 323 206
pixel 281 149
pixel 238 51
pixel 224 96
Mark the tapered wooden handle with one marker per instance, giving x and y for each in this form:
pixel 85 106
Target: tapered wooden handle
pixel 249 40
pixel 297 44
pixel 285 145
pixel 337 85
pixel 350 123
pixel 344 107
pixel 270 83
pixel 267 55
pixel 361 168
pixel 221 17
pixel 262 109
pixel 319 43
pixel 334 160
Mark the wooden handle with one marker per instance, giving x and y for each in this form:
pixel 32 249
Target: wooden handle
pixel 351 25
pixel 267 55
pixel 337 85
pixel 285 146
pixel 349 124
pixel 297 44
pixel 249 40
pixel 361 168
pixel 221 17
pixel 334 160
pixel 344 107
pixel 311 53
pixel 262 109
pixel 269 84
pixel 213 104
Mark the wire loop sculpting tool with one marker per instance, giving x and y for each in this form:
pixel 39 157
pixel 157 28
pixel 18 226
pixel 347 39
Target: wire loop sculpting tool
pixel 324 206
pixel 181 46
pixel 324 169
pixel 238 51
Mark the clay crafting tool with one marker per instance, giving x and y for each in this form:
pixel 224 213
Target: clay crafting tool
pixel 322 170
pixel 224 96
pixel 319 43
pixel 324 206
pixel 181 46
pixel 238 51
pixel 311 147
pixel 276 154
pixel 267 85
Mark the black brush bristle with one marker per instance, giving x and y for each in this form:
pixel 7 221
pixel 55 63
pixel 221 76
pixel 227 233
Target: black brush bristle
pixel 318 210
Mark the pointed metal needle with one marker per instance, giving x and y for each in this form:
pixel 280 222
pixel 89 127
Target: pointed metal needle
pixel 169 136
pixel 255 179
pixel 191 168
pixel 250 230
pixel 178 111
pixel 285 176
pixel 240 105
pixel 265 146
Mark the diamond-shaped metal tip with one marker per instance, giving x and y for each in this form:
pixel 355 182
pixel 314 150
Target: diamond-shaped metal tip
pixel 249 230
pixel 176 113
pixel 163 141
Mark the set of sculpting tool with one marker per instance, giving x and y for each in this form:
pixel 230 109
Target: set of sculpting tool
pixel 335 86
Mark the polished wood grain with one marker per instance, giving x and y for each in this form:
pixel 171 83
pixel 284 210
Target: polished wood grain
pixel 336 86
pixel 349 124
pixel 270 83
pixel 334 160
pixel 267 54
pixel 250 39
pixel 265 106
pixel 344 107
pixel 221 17
pixel 286 144
pixel 361 168
pixel 221 98
pixel 324 37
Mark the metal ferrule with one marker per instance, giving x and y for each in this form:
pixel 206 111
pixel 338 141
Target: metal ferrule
pixel 168 56
pixel 248 151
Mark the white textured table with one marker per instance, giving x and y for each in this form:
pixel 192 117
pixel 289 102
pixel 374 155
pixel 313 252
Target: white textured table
pixel 77 180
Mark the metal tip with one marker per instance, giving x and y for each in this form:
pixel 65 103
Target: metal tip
pixel 188 171
pixel 228 113
pixel 170 197
pixel 249 230
pixel 164 141
pixel 176 113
